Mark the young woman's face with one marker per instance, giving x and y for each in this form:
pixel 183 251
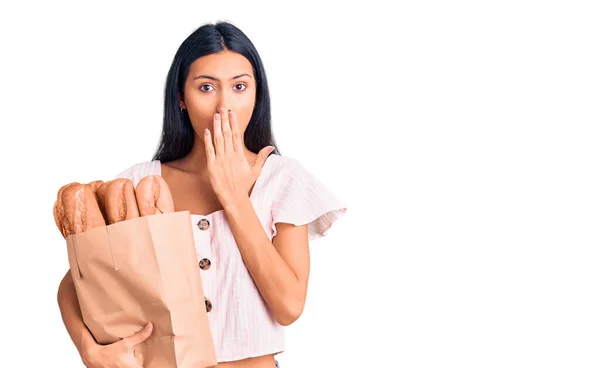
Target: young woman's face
pixel 219 80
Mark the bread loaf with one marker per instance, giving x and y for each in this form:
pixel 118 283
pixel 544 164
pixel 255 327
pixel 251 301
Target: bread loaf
pixel 81 207
pixel 76 209
pixel 153 196
pixel 119 201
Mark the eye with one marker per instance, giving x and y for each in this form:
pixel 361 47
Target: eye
pixel 240 84
pixel 205 85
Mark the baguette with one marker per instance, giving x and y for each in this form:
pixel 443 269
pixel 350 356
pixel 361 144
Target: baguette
pixel 119 201
pixel 99 188
pixel 76 209
pixel 153 196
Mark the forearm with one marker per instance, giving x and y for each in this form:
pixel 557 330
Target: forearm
pixel 275 279
pixel 71 315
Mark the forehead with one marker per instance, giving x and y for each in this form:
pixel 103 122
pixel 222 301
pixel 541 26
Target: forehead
pixel 223 65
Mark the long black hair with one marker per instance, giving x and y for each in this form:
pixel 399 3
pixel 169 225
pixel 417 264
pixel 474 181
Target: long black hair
pixel 177 136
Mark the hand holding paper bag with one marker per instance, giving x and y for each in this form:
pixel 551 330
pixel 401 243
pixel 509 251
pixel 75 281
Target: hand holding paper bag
pixel 133 260
pixel 120 353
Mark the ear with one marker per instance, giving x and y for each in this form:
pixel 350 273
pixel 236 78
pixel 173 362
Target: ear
pixel 181 103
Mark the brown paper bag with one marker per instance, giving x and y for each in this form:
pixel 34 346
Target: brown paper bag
pixel 144 270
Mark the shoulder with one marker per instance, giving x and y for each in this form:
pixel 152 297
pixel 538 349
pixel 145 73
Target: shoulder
pixel 286 171
pixel 139 170
pixel 284 164
pixel 281 168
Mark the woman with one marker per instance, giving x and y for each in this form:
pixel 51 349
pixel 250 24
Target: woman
pixel 253 213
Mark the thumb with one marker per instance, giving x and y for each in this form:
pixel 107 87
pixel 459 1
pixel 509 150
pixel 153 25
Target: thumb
pixel 262 156
pixel 142 335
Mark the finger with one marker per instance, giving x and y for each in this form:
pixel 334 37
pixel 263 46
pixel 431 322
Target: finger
pixel 139 351
pixel 131 361
pixel 208 146
pixel 236 135
pixel 262 156
pixel 219 151
pixel 139 337
pixel 226 125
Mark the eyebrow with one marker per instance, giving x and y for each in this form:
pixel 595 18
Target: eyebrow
pixel 215 79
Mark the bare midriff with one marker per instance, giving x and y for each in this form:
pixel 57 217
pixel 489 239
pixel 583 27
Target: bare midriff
pixel 265 361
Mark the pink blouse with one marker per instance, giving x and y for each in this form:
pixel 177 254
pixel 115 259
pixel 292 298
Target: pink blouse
pixel 241 322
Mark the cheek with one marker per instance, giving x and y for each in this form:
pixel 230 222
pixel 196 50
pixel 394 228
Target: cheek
pixel 198 105
pixel 245 109
pixel 200 110
pixel 244 119
pixel 201 116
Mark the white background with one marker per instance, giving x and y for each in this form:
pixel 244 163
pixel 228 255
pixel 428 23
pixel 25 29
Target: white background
pixel 463 137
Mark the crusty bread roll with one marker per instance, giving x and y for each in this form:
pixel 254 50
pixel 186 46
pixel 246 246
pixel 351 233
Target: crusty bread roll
pixel 59 211
pixel 153 196
pixel 95 184
pixel 119 201
pixel 81 207
pixel 99 187
pixel 76 209
pixel 101 198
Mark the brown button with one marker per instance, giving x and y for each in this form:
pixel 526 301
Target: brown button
pixel 208 305
pixel 204 264
pixel 203 224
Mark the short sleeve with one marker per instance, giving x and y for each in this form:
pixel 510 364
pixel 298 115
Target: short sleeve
pixel 136 172
pixel 126 174
pixel 303 199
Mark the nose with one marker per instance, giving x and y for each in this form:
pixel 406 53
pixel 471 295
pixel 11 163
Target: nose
pixel 223 102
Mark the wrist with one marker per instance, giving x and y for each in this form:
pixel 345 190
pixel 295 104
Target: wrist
pixel 236 203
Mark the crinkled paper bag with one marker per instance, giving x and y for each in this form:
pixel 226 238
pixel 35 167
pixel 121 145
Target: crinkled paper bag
pixel 140 270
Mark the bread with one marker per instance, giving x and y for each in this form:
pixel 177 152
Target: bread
pixel 59 212
pixel 76 209
pixel 95 184
pixel 153 196
pixel 81 207
pixel 101 198
pixel 119 201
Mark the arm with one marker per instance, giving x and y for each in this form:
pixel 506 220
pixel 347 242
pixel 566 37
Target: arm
pixel 94 355
pixel 71 315
pixel 279 269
